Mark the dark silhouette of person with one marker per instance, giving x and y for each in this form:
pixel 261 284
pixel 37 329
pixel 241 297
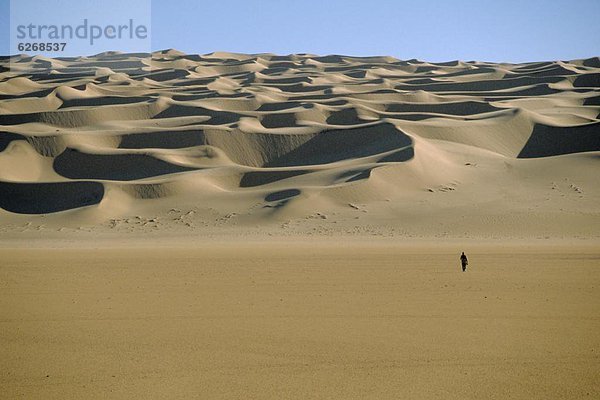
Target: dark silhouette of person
pixel 464 261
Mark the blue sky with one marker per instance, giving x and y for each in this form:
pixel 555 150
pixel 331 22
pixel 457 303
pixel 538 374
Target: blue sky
pixel 487 30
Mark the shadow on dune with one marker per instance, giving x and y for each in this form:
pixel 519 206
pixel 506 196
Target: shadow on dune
pixel 17 119
pixel 554 70
pixel 282 195
pixel 425 69
pixel 42 198
pixel 592 62
pixel 118 167
pixel 537 90
pixel 7 137
pixel 287 80
pixel 327 97
pixel 592 101
pixel 116 65
pixel 216 117
pixel 398 156
pixel 355 175
pixel 330 59
pixel 451 63
pixel 77 117
pixel 191 82
pixel 47 146
pixel 258 178
pixel 533 66
pixel 282 106
pixel 414 117
pixel 484 86
pixel 358 74
pixel 350 68
pixel 277 151
pixel 470 72
pixel 32 94
pixel 347 116
pixel 337 145
pixel 587 80
pixel 163 140
pixel 458 108
pixel 298 88
pixel 268 150
pixel 103 101
pixel 546 141
pixel 39 76
pixel 281 120
pixel 200 93
pixel 164 75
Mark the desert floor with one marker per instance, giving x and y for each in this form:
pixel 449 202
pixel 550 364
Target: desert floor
pixel 300 319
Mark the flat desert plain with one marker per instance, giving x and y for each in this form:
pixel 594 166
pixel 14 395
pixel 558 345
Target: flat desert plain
pixel 297 321
pixel 256 226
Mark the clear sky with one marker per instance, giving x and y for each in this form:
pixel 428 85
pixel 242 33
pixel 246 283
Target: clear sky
pixel 486 30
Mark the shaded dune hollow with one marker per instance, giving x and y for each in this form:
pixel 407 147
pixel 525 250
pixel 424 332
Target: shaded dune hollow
pixel 43 198
pixel 273 152
pixel 118 167
pixel 163 140
pixel 277 127
pixel 548 141
pixel 325 147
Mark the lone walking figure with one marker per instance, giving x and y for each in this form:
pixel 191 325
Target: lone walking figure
pixel 464 261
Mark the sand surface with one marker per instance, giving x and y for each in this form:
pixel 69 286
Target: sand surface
pixel 257 226
pixel 285 321
pixel 171 144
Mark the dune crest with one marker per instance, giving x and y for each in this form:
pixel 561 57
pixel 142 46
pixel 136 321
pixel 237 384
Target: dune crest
pixel 265 137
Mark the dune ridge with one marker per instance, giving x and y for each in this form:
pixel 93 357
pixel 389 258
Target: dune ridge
pixel 267 137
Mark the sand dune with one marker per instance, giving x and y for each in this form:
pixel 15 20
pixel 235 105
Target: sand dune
pixel 238 134
pixel 264 226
